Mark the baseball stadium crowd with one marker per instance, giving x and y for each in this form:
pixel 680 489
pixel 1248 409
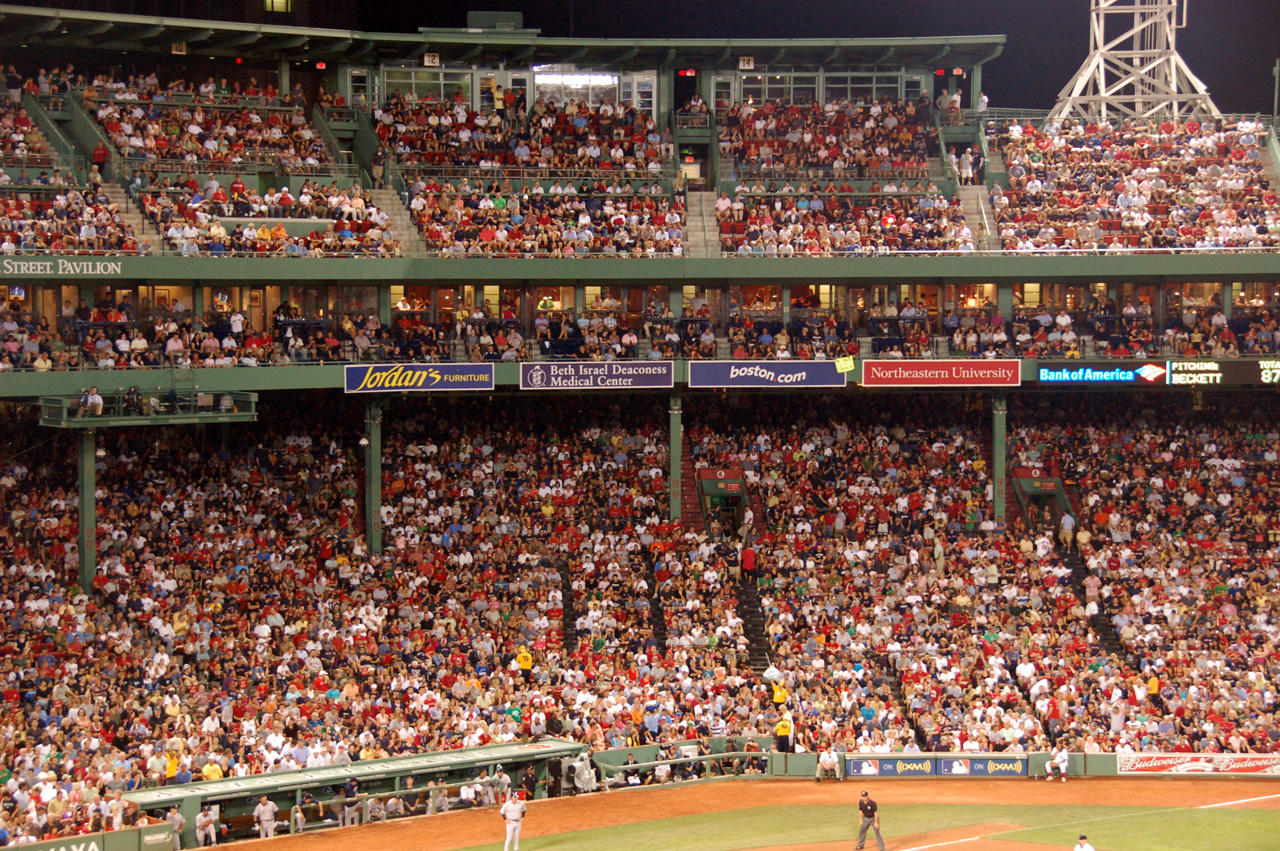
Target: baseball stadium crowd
pixel 189 218
pixel 20 140
pixel 1141 184
pixel 883 140
pixel 1178 536
pixel 573 138
pixel 808 221
pixel 66 219
pixel 598 217
pixel 146 123
pixel 532 584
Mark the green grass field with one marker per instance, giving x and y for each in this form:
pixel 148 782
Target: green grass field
pixel 1109 828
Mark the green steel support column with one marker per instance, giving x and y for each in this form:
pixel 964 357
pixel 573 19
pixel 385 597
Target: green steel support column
pixel 1113 296
pixel 999 447
pixel 373 477
pixel 197 307
pixel 579 297
pixel 1004 300
pixel 87 294
pixel 675 298
pixel 975 87
pixel 667 97
pixel 88 519
pixel 384 306
pixel 677 445
pixel 1228 298
pixel 786 305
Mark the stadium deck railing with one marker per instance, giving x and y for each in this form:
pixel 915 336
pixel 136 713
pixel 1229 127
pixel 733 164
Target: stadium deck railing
pixel 1056 252
pixel 168 251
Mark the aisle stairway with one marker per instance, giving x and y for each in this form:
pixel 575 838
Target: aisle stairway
pixel 130 212
pixel 657 617
pixel 977 214
pixel 753 624
pixel 701 235
pixel 690 505
pixel 1100 622
pixel 757 508
pixel 895 688
pixel 568 614
pixel 399 222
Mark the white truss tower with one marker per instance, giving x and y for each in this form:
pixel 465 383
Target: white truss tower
pixel 1133 69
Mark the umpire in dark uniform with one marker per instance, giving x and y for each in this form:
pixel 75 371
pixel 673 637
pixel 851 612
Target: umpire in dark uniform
pixel 870 819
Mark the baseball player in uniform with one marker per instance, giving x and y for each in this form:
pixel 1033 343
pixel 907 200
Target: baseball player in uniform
pixel 1083 844
pixel 265 816
pixel 179 822
pixel 1058 761
pixel 206 828
pixel 351 803
pixel 870 819
pixel 513 812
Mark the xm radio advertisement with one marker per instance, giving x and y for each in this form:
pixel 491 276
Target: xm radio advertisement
pixel 934 765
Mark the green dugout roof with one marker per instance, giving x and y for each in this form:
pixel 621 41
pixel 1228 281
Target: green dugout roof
pixel 311 778
pixel 34 26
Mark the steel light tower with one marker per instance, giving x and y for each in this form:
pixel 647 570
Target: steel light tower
pixel 1133 69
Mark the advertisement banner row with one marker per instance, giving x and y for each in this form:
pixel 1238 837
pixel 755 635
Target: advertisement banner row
pixel 792 375
pixel 926 766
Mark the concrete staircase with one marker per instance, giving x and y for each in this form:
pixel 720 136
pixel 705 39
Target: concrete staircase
pixel 131 213
pixel 752 614
pixel 701 234
pixel 978 215
pixel 569 613
pixel 398 220
pixel 690 501
pixel 657 614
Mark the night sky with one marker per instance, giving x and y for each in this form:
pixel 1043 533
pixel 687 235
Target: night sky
pixel 1230 44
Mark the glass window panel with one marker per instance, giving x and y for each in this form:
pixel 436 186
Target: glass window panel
pixel 804 89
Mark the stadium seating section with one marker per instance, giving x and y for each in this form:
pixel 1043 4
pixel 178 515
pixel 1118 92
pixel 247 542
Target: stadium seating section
pixel 1141 184
pixel 891 608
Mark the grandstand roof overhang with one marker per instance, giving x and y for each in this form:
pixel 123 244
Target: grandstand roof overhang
pixel 34 26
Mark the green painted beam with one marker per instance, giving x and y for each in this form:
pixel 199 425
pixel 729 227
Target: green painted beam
pixel 999 452
pixel 373 475
pixel 676 449
pixel 88 519
pixel 160 381
pixel 1001 268
pixel 158 420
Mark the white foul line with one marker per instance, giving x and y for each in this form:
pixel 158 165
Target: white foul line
pixel 1241 801
pixel 940 844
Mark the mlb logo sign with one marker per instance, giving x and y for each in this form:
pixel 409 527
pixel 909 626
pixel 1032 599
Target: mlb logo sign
pixel 956 766
pixel 864 767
